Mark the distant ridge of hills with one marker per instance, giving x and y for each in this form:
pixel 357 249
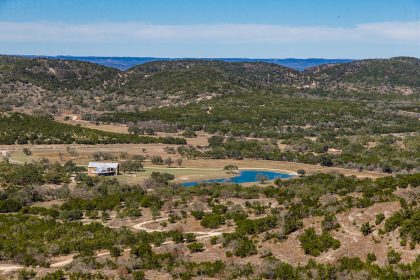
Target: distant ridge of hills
pixel 125 63
pixel 59 84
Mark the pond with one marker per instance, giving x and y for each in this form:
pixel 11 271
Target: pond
pixel 244 176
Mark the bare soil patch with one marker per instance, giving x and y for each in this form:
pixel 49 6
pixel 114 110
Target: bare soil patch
pixel 353 242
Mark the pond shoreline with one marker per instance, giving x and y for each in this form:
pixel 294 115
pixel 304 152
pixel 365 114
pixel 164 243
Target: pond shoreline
pixel 247 175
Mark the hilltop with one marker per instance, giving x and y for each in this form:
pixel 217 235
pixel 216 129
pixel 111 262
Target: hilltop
pixel 397 75
pixel 191 77
pixel 125 63
pixel 53 74
pixel 82 86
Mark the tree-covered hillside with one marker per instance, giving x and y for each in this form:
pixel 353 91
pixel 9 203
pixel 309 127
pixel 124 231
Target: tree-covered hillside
pixel 23 129
pixel 384 74
pixel 54 75
pixel 80 86
pixel 310 128
pixel 186 80
pixel 274 115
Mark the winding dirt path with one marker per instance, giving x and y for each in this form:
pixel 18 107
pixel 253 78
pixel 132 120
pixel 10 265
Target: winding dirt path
pixel 202 234
pixel 6 268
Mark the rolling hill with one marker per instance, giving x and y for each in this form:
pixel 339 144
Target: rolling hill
pixel 53 74
pixel 78 86
pixel 399 74
pixel 125 63
pixel 194 77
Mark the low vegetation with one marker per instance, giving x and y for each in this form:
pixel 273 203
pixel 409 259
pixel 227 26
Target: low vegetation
pixel 342 137
pixel 34 234
pixel 362 115
pixel 314 244
pixel 18 128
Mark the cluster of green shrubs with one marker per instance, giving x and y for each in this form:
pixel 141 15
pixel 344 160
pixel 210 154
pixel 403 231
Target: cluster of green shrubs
pixel 271 268
pixel 196 247
pixel 31 241
pixel 42 211
pixel 212 220
pixel 130 166
pixel 37 173
pixel 314 244
pixel 131 199
pixel 408 222
pixel 240 245
pixel 18 181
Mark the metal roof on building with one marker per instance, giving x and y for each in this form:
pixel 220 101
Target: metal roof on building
pixel 103 166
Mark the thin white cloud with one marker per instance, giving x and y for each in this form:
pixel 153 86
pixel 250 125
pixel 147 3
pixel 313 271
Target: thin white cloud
pixel 400 31
pixel 397 32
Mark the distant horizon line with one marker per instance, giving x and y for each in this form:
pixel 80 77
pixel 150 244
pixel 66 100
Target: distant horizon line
pixel 200 57
pixel 193 57
pixel 124 63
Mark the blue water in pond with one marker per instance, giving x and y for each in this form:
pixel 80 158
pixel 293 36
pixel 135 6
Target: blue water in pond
pixel 244 176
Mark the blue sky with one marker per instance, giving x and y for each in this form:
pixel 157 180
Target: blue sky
pixel 204 28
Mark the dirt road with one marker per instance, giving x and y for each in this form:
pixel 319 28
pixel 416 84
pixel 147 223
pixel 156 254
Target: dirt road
pixel 6 268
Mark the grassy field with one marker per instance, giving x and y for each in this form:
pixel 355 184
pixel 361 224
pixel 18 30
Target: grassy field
pixel 279 166
pixel 200 140
pixel 191 170
pixel 76 120
pixel 183 174
pixel 83 152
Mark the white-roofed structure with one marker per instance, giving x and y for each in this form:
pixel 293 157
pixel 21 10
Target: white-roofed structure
pixel 103 168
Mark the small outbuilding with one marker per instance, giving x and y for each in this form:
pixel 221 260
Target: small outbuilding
pixel 103 168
